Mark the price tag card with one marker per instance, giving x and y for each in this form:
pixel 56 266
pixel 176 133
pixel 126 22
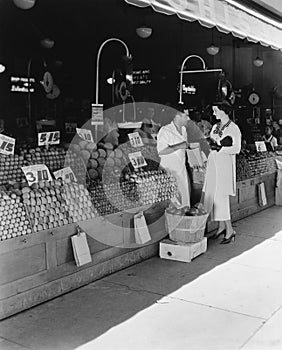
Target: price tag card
pixel 85 134
pixel 48 138
pixel 260 146
pixel 137 160
pixel 36 173
pixel 65 174
pixel 154 136
pixel 135 139
pixel 7 144
pixel 97 114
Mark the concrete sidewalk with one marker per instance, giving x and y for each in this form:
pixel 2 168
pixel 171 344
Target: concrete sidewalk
pixel 228 298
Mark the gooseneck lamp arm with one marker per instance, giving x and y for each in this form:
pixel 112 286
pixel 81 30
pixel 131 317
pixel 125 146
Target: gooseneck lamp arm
pixel 98 61
pixel 203 70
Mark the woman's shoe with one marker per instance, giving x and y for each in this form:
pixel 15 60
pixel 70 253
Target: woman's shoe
pixel 229 239
pixel 217 235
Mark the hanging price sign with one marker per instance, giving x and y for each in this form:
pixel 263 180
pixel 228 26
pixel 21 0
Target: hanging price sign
pixel 36 173
pixel 49 138
pixel 7 144
pixel 65 174
pixel 135 139
pixel 137 160
pixel 85 134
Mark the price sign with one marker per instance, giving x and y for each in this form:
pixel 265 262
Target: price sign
pixel 49 138
pixel 97 114
pixel 36 173
pixel 135 139
pixel 260 146
pixel 70 128
pixel 137 160
pixel 65 174
pixel 85 134
pixel 7 144
pixel 154 136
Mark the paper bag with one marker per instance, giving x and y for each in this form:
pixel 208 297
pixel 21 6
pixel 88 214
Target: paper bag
pixel 141 231
pixel 262 194
pixel 81 250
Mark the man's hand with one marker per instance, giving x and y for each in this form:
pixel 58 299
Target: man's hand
pixel 181 145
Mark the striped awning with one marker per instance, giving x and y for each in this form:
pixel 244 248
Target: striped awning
pixel 228 16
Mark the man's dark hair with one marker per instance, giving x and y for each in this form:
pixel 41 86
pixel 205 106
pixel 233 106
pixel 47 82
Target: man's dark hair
pixel 224 106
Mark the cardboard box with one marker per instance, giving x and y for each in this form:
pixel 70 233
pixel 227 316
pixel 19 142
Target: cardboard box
pixel 182 251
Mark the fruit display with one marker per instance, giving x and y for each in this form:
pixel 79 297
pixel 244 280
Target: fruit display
pixel 250 164
pixel 54 158
pixel 13 217
pixel 53 204
pixel 144 188
pixel 196 210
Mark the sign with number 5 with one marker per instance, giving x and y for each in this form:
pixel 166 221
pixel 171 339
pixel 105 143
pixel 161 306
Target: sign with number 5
pixel 36 173
pixel 7 144
pixel 49 138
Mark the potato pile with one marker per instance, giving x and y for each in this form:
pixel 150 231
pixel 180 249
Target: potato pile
pixel 55 203
pixel 13 218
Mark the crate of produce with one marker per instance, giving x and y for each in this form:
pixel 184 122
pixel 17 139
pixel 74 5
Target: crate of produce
pixel 186 227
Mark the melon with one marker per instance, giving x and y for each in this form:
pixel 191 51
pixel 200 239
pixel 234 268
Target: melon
pixel 102 153
pixel 82 144
pixel 91 146
pixel 110 162
pixel 85 154
pixel 93 163
pixel 93 174
pixel 108 146
pixel 101 161
pixel 75 148
pixel 118 153
pixel 95 155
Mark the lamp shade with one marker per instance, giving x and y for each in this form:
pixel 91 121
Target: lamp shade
pixel 213 50
pixel 47 43
pixel 24 4
pixel 2 68
pixel 144 32
pixel 258 62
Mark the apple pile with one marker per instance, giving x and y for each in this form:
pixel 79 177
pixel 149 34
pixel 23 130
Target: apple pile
pixel 13 218
pixel 56 203
pixel 197 210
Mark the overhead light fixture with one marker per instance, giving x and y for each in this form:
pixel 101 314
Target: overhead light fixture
pixel 258 62
pixel 144 31
pixel 212 49
pixel 47 43
pixel 24 4
pixel 2 68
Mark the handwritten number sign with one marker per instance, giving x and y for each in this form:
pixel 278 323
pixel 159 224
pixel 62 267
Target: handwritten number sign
pixel 135 139
pixel 137 160
pixel 260 146
pixel 49 138
pixel 85 134
pixel 65 174
pixel 36 173
pixel 7 144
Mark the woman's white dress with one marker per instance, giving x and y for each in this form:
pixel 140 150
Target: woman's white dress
pixel 220 181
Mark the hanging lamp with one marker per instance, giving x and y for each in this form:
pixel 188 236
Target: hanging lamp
pixel 144 31
pixel 212 49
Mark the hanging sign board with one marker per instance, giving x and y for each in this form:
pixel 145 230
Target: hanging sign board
pixel 135 139
pixel 7 145
pixel 65 174
pixel 260 146
pixel 137 160
pixel 48 138
pixel 85 134
pixel 36 173
pixel 97 114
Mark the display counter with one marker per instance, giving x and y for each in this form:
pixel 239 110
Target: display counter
pixel 39 265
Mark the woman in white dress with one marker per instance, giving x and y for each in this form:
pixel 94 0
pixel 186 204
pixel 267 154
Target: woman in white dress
pixel 220 181
pixel 171 145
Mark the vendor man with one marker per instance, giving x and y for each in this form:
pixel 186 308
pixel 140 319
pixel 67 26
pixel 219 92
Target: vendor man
pixel 171 145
